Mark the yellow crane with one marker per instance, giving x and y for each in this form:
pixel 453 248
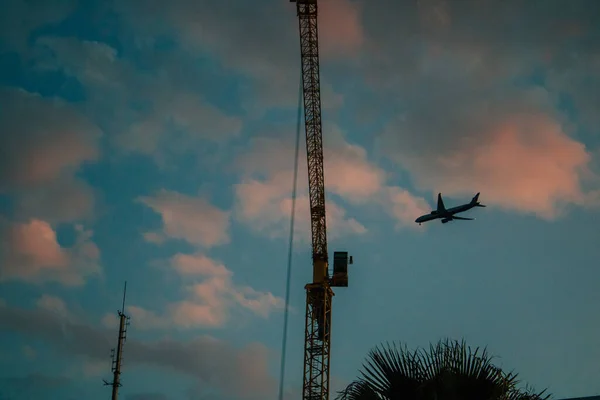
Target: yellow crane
pixel 319 294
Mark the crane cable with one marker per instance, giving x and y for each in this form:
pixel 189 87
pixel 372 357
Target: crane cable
pixel 290 245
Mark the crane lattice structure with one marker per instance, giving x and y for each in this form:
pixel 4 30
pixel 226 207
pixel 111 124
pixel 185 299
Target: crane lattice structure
pixel 319 294
pixel 117 358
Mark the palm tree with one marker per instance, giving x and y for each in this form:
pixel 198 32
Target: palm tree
pixel 448 371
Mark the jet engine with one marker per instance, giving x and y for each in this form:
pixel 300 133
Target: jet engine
pixel 446 220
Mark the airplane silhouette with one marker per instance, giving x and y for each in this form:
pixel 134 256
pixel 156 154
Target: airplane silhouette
pixel 449 214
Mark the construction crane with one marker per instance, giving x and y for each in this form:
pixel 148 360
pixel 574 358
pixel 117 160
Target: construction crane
pixel 319 294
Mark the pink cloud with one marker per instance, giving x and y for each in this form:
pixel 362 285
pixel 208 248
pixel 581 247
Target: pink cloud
pixel 188 314
pixel 340 27
pixel 209 303
pixel 39 149
pixel 31 252
pixel 525 163
pixel 263 195
pixel 404 206
pixel 265 206
pixel 36 242
pixel 198 264
pixel 260 303
pixel 348 171
pixel 44 143
pixel 143 318
pixel 66 199
pixel 192 219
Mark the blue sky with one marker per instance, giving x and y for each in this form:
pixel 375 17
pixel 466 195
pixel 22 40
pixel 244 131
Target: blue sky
pixel 152 143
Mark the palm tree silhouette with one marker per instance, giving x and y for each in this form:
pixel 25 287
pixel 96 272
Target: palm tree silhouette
pixel 450 370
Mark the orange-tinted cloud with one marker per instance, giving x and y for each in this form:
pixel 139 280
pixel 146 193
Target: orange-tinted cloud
pixel 37 150
pixel 340 27
pixel 30 252
pixel 208 303
pixel 265 206
pixel 40 155
pixel 188 218
pixel 264 195
pixel 44 142
pixel 516 153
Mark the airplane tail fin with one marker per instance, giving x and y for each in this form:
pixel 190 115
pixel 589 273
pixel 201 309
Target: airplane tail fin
pixel 440 204
pixel 475 201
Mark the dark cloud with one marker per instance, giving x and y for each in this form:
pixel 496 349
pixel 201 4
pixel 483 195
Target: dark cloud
pixel 44 143
pixel 159 112
pixel 236 372
pixel 35 384
pixel 258 40
pixel 147 396
pixel 498 37
pixel 19 18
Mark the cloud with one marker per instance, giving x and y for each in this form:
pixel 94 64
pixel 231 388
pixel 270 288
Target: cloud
pixel 265 206
pixel 340 28
pixel 20 19
pixel 510 145
pixel 266 52
pixel 192 119
pixel 471 106
pixel 172 118
pixel 30 252
pixel 147 396
pixel 403 205
pixel 241 372
pixel 44 144
pixel 264 195
pixel 53 304
pixel 211 298
pixel 29 352
pixel 92 369
pixel 35 384
pixel 403 39
pixel 575 75
pixel 192 219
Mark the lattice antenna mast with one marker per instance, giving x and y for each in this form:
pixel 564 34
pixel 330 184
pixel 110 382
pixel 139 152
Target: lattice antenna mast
pixel 318 293
pixel 117 358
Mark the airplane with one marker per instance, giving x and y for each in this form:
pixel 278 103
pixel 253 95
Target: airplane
pixel 449 214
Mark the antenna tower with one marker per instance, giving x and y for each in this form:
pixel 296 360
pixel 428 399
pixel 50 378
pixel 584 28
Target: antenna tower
pixel 117 358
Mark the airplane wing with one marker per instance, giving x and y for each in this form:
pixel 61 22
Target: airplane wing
pixel 463 218
pixel 440 205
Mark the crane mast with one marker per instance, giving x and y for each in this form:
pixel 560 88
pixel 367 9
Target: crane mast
pixel 319 294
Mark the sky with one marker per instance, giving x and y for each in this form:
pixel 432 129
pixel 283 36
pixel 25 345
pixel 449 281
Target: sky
pixel 153 142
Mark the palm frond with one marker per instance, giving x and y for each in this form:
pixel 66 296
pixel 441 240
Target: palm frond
pixel 527 394
pixel 358 390
pixel 449 370
pixel 392 369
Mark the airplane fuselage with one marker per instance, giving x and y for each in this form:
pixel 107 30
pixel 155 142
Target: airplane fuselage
pixel 449 213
